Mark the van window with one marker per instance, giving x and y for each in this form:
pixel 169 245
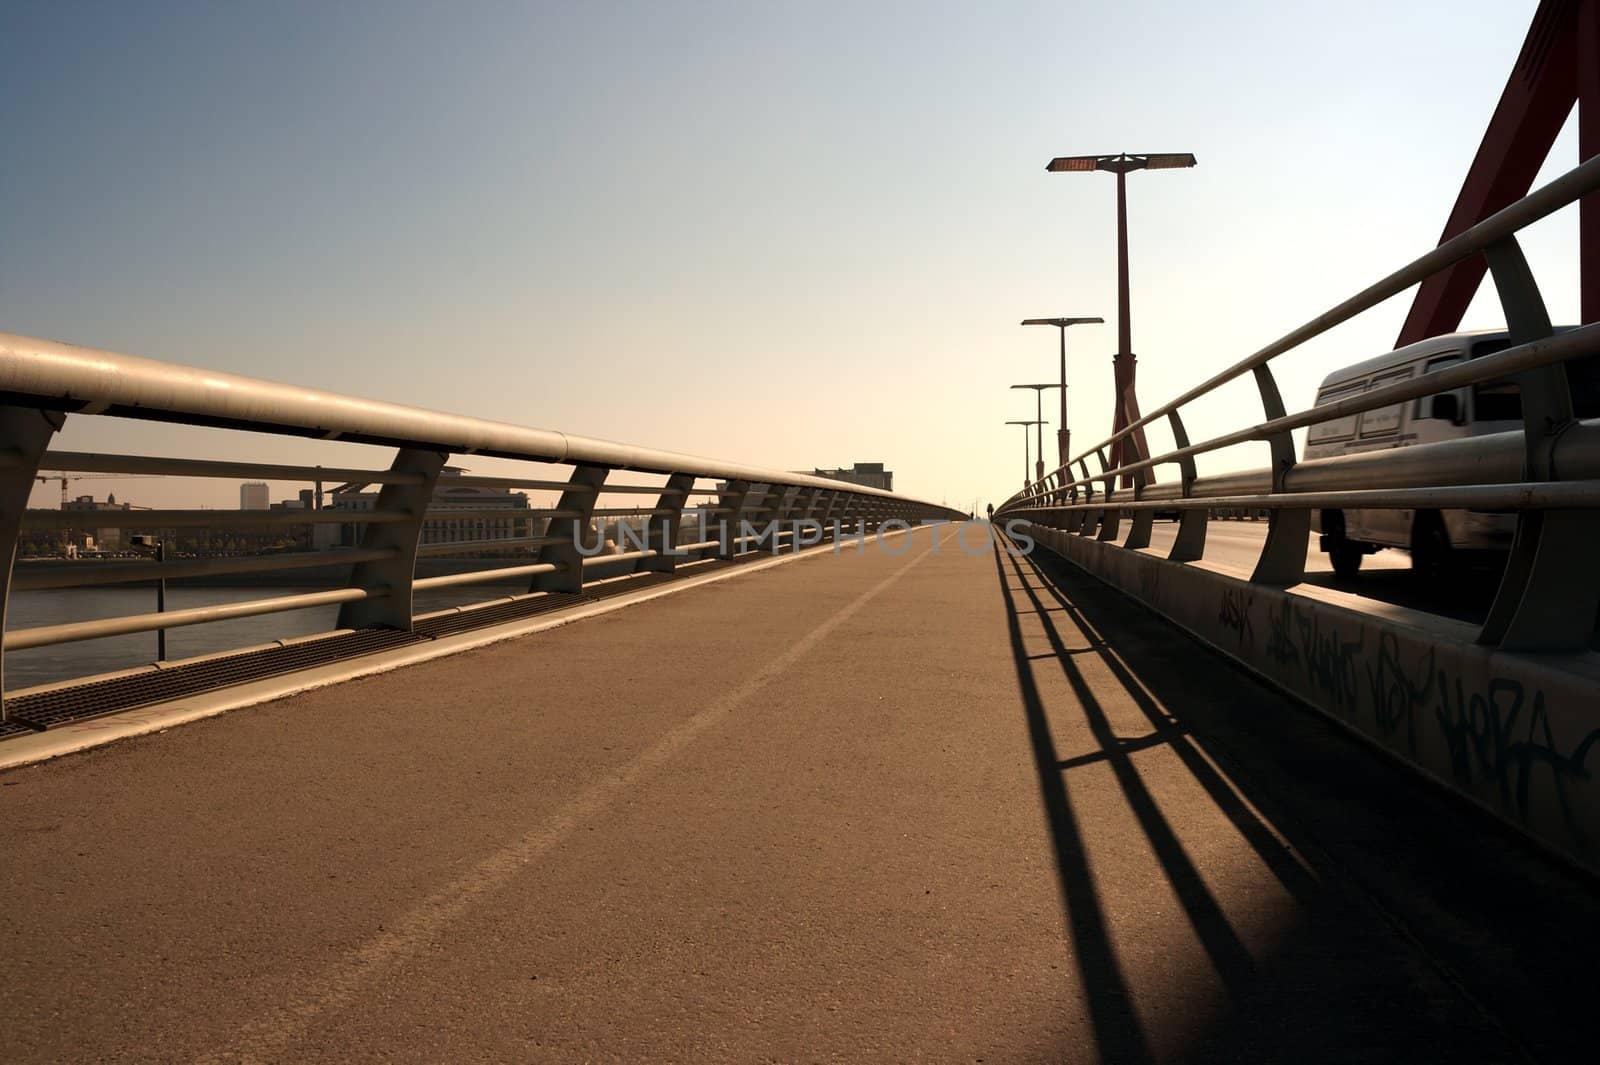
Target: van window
pixel 1385 419
pixel 1424 404
pixel 1583 377
pixel 1496 401
pixel 1339 428
pixel 1505 403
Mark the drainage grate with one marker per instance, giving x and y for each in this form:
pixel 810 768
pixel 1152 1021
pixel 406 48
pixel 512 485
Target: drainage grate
pixel 10 728
pixel 63 706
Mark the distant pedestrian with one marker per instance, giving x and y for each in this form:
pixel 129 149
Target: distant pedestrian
pixel 991 511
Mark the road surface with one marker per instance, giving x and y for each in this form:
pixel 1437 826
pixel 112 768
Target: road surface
pixel 953 807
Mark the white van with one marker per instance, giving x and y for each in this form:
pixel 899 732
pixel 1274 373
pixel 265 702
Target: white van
pixel 1434 538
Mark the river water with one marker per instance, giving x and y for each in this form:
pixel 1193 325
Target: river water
pixel 44 665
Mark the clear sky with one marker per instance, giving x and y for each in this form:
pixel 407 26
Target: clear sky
pixel 793 234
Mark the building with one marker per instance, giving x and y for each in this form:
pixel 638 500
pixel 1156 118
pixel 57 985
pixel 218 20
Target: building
pixel 253 496
pixel 475 527
pixel 77 514
pixel 470 527
pixel 868 474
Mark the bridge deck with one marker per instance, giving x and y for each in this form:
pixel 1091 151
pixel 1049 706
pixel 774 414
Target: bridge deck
pixel 873 808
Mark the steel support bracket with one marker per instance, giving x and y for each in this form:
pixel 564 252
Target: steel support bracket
pixel 1190 545
pixel 1283 556
pixel 732 500
pixel 390 579
pixel 1550 593
pixel 577 503
pixel 1110 517
pixel 1087 519
pixel 26 432
pixel 1141 520
pixel 663 536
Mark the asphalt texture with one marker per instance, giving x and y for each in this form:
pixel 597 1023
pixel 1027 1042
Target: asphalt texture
pixel 874 807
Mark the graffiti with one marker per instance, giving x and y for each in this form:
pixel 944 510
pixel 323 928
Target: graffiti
pixel 1330 661
pixel 1498 735
pixel 1396 694
pixel 1298 638
pixel 1280 645
pixel 1234 615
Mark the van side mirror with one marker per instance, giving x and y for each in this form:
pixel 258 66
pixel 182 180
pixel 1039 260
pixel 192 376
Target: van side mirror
pixel 1445 407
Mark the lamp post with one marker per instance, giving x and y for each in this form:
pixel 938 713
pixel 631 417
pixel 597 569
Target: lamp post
pixel 1122 164
pixel 1025 449
pixel 1038 405
pixel 1063 434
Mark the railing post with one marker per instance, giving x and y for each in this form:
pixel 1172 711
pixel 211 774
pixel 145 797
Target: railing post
pixel 828 513
pixel 577 503
pixel 813 497
pixel 393 610
pixel 1055 521
pixel 1283 556
pixel 731 500
pixel 27 431
pixel 1190 544
pixel 1087 519
pixel 1139 529
pixel 1551 588
pixel 854 512
pixel 780 504
pixel 1109 517
pixel 761 506
pixel 663 538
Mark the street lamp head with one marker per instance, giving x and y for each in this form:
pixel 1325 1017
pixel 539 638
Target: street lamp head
pixel 1053 384
pixel 1062 323
pixel 1030 421
pixel 1169 161
pixel 1121 163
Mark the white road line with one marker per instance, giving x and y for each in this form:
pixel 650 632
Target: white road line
pixel 336 987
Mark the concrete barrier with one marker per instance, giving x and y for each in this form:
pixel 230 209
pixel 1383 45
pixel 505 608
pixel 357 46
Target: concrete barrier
pixel 1516 734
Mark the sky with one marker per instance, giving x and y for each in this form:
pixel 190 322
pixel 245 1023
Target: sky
pixel 788 234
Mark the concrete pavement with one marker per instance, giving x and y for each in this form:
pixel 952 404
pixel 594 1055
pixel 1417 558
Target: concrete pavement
pixel 877 807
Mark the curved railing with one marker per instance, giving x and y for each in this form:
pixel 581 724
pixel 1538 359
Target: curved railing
pixel 597 482
pixel 1548 473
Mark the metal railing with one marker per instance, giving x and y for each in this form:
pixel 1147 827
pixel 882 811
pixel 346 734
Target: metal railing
pixel 43 383
pixel 1548 473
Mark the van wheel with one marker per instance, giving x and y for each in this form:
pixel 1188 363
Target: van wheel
pixel 1431 554
pixel 1345 555
pixel 1346 558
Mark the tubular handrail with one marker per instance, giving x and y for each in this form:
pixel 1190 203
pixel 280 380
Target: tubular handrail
pixel 47 635
pixel 62 377
pixel 1566 189
pixel 1548 351
pixel 95 462
pixel 1521 495
pixel 416 512
pixel 1548 473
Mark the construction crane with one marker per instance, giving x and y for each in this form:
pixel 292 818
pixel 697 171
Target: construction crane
pixel 55 475
pixel 46 476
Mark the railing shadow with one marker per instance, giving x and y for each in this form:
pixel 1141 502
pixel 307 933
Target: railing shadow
pixel 1341 977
